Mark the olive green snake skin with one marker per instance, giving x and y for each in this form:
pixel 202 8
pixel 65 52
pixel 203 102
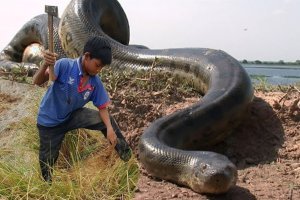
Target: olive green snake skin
pixel 170 148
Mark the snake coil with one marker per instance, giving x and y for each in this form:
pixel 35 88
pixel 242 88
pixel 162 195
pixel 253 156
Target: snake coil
pixel 169 147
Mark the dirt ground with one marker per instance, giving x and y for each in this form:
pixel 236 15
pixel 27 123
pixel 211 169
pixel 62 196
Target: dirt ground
pixel 265 147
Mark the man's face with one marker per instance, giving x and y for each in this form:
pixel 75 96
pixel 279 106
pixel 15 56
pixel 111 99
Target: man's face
pixel 93 66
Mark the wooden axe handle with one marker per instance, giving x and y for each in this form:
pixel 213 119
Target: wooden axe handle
pixel 51 11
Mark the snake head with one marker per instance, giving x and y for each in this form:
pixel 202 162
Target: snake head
pixel 213 173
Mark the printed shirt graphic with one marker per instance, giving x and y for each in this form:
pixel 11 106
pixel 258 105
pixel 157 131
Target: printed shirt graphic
pixel 68 93
pixel 71 80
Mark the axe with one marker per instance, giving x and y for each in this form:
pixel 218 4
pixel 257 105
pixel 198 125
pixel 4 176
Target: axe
pixel 51 11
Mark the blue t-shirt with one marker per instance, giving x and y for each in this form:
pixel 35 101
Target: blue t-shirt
pixel 67 93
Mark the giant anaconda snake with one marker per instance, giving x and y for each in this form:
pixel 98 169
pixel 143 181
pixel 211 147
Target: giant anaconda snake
pixel 170 147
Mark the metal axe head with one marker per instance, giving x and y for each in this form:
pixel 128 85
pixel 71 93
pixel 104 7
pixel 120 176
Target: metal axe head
pixel 51 10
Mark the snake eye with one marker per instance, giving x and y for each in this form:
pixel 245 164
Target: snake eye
pixel 203 167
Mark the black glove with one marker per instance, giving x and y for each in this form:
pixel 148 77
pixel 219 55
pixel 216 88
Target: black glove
pixel 123 149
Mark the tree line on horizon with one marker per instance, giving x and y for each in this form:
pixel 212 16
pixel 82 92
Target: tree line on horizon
pixel 280 62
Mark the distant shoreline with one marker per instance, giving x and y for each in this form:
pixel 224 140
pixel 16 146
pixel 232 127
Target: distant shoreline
pixel 281 62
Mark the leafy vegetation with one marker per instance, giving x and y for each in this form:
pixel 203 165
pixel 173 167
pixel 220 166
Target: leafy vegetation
pixel 280 62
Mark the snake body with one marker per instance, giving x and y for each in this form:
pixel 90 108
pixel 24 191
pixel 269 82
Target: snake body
pixel 170 148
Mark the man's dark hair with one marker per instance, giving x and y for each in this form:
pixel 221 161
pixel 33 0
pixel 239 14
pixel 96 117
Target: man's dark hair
pixel 99 48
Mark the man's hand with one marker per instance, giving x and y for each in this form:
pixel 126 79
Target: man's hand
pixel 49 61
pixel 112 137
pixel 49 58
pixel 42 75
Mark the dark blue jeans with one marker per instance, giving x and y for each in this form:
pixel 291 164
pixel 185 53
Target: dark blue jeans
pixel 51 137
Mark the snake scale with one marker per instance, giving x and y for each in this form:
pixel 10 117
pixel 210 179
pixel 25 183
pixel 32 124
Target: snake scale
pixel 170 148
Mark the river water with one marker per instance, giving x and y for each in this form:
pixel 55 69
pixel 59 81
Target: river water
pixel 274 74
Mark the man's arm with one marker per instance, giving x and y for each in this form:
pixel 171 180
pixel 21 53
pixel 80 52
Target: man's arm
pixel 111 135
pixel 42 75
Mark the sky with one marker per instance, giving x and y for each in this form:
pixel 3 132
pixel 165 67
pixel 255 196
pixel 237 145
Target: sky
pixel 266 30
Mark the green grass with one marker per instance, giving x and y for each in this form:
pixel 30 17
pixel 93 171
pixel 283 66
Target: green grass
pixel 87 168
pixel 22 181
pixel 150 81
pixel 261 84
